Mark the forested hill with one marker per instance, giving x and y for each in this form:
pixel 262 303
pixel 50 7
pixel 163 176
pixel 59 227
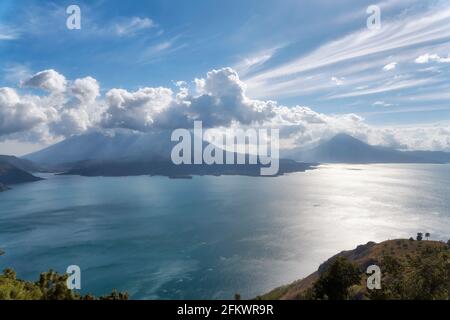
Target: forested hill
pixel 410 269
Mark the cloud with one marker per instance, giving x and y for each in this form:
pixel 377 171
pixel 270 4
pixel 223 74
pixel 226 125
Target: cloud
pixel 47 20
pixel 133 25
pixel 180 83
pixel 86 90
pixel 8 33
pixel 220 100
pixel 382 103
pixel 49 80
pixel 362 51
pixel 426 58
pixel 159 50
pixel 337 81
pixel 17 113
pixel 78 110
pixel 390 66
pixel 248 64
pixel 223 100
pixel 386 87
pixel 412 30
pixel 136 110
pixel 16 73
pixel 69 108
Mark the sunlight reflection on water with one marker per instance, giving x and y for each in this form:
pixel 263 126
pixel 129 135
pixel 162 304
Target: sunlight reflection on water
pixel 211 237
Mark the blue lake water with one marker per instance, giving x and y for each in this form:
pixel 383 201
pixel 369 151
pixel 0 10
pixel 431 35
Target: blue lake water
pixel 212 237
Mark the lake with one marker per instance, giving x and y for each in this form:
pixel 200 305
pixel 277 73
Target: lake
pixel 212 237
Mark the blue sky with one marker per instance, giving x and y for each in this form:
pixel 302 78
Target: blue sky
pixel 317 53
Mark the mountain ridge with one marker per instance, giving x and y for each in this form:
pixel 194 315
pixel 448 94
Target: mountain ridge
pixel 10 175
pixel 128 146
pixel 344 148
pixel 127 153
pixel 22 164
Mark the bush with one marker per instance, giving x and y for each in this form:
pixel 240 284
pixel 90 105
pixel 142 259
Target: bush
pixel 425 276
pixel 51 286
pixel 335 282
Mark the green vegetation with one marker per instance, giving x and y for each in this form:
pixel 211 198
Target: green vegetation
pixel 51 286
pixel 335 282
pixel 410 270
pixel 425 276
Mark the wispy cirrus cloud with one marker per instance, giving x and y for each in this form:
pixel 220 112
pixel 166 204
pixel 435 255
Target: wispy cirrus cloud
pixel 8 33
pixel 15 73
pixel 159 50
pixel 133 25
pixel 382 103
pixel 387 87
pixel 48 20
pixel 397 37
pixel 255 60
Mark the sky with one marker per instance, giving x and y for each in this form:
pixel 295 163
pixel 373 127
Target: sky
pixel 312 68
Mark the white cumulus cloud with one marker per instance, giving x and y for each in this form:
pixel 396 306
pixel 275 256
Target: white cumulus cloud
pixel 49 80
pixel 220 101
pixel 17 113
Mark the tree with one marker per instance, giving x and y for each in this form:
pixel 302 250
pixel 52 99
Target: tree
pixel 334 283
pixel 51 286
pixel 9 274
pixel 114 295
pixel 423 275
pixel 427 235
pixel 419 236
pixel 448 243
pixel 54 287
pixel 429 278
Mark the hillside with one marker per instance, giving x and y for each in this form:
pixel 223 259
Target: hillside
pixel 344 148
pixel 22 164
pixel 403 263
pixel 113 145
pixel 9 175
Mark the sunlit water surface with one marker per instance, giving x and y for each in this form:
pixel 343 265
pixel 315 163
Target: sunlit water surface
pixel 212 237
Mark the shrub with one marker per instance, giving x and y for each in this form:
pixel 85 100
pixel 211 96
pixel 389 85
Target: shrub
pixel 335 282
